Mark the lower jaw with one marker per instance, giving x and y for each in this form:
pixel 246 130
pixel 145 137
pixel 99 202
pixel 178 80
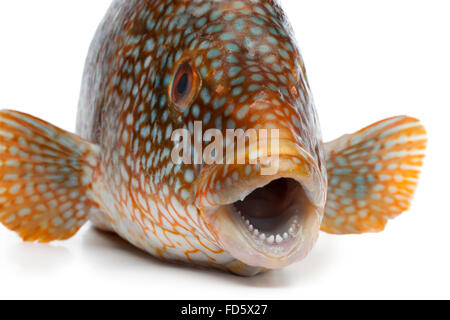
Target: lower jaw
pixel 271 251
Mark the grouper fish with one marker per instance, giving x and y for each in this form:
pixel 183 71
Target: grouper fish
pixel 158 68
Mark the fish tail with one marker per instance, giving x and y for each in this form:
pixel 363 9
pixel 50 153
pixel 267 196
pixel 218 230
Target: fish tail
pixel 373 175
pixel 45 178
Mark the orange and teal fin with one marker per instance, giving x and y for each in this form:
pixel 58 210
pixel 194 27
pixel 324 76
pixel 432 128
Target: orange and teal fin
pixel 45 178
pixel 372 175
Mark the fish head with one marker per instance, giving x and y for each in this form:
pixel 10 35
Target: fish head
pixel 239 73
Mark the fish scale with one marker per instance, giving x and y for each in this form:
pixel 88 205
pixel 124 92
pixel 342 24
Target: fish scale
pixel 155 67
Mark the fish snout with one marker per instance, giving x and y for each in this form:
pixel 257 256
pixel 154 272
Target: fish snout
pixel 267 211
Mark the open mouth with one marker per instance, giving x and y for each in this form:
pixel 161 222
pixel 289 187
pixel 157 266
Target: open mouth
pixel 265 221
pixel 273 214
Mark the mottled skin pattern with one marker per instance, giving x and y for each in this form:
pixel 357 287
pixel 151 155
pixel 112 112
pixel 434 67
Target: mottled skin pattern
pixel 158 66
pixel 244 52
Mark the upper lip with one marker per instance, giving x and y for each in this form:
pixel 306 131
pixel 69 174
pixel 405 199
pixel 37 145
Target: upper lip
pixel 305 172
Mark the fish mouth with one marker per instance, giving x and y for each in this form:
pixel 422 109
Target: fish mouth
pixel 266 221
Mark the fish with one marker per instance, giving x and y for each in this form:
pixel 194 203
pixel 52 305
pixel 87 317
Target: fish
pixel 158 67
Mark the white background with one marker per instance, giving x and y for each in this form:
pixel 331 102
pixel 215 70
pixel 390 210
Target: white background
pixel 367 60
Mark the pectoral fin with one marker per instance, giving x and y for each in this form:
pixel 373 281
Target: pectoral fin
pixel 45 178
pixel 373 175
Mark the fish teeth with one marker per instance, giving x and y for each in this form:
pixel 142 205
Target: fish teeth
pixel 271 238
pixel 278 239
pixel 292 230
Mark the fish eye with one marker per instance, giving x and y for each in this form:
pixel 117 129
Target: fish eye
pixel 184 86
